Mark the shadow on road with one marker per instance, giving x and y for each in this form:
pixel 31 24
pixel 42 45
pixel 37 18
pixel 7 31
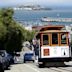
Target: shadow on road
pixel 55 65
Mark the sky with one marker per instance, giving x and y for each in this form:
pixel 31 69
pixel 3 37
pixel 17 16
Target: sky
pixel 5 3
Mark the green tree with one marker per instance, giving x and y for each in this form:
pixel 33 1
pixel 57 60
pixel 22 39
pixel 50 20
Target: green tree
pixel 13 36
pixel 6 16
pixel 28 35
pixel 3 32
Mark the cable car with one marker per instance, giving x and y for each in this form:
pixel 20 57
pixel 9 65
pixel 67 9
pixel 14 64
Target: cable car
pixel 53 45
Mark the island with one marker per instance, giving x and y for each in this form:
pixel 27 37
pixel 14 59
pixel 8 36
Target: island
pixel 31 7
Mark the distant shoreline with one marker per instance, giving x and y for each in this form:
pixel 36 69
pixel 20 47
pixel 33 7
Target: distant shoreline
pixel 31 7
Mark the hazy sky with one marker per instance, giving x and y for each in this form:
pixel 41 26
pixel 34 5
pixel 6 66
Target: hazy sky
pixel 40 2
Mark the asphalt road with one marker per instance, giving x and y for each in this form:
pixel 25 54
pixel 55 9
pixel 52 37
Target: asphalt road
pixel 32 67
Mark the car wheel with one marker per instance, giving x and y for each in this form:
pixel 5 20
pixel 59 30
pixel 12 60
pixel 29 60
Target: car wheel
pixel 41 65
pixel 24 61
pixel 1 68
pixel 7 65
pixel 33 61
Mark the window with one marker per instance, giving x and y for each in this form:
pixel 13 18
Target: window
pixel 45 40
pixel 63 38
pixel 54 38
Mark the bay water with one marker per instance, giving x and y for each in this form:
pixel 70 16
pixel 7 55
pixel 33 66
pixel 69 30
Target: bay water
pixel 33 17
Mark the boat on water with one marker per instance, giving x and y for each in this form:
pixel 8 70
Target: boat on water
pixel 47 19
pixel 52 19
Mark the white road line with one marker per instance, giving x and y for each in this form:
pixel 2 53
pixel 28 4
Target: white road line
pixel 32 68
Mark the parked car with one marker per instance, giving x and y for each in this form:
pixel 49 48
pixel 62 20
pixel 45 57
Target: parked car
pixel 10 58
pixel 28 56
pixel 17 58
pixel 1 65
pixel 5 59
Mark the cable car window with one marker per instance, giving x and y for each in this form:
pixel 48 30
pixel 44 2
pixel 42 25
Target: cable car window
pixel 63 38
pixel 54 38
pixel 45 40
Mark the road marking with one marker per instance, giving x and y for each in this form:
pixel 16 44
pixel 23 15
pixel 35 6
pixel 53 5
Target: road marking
pixel 32 68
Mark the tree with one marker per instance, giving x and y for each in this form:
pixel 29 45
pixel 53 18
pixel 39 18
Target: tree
pixel 12 34
pixel 6 16
pixel 12 31
pixel 28 35
pixel 3 32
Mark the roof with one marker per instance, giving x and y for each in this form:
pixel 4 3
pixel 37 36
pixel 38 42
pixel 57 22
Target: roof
pixel 47 27
pixel 54 31
pixel 50 28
